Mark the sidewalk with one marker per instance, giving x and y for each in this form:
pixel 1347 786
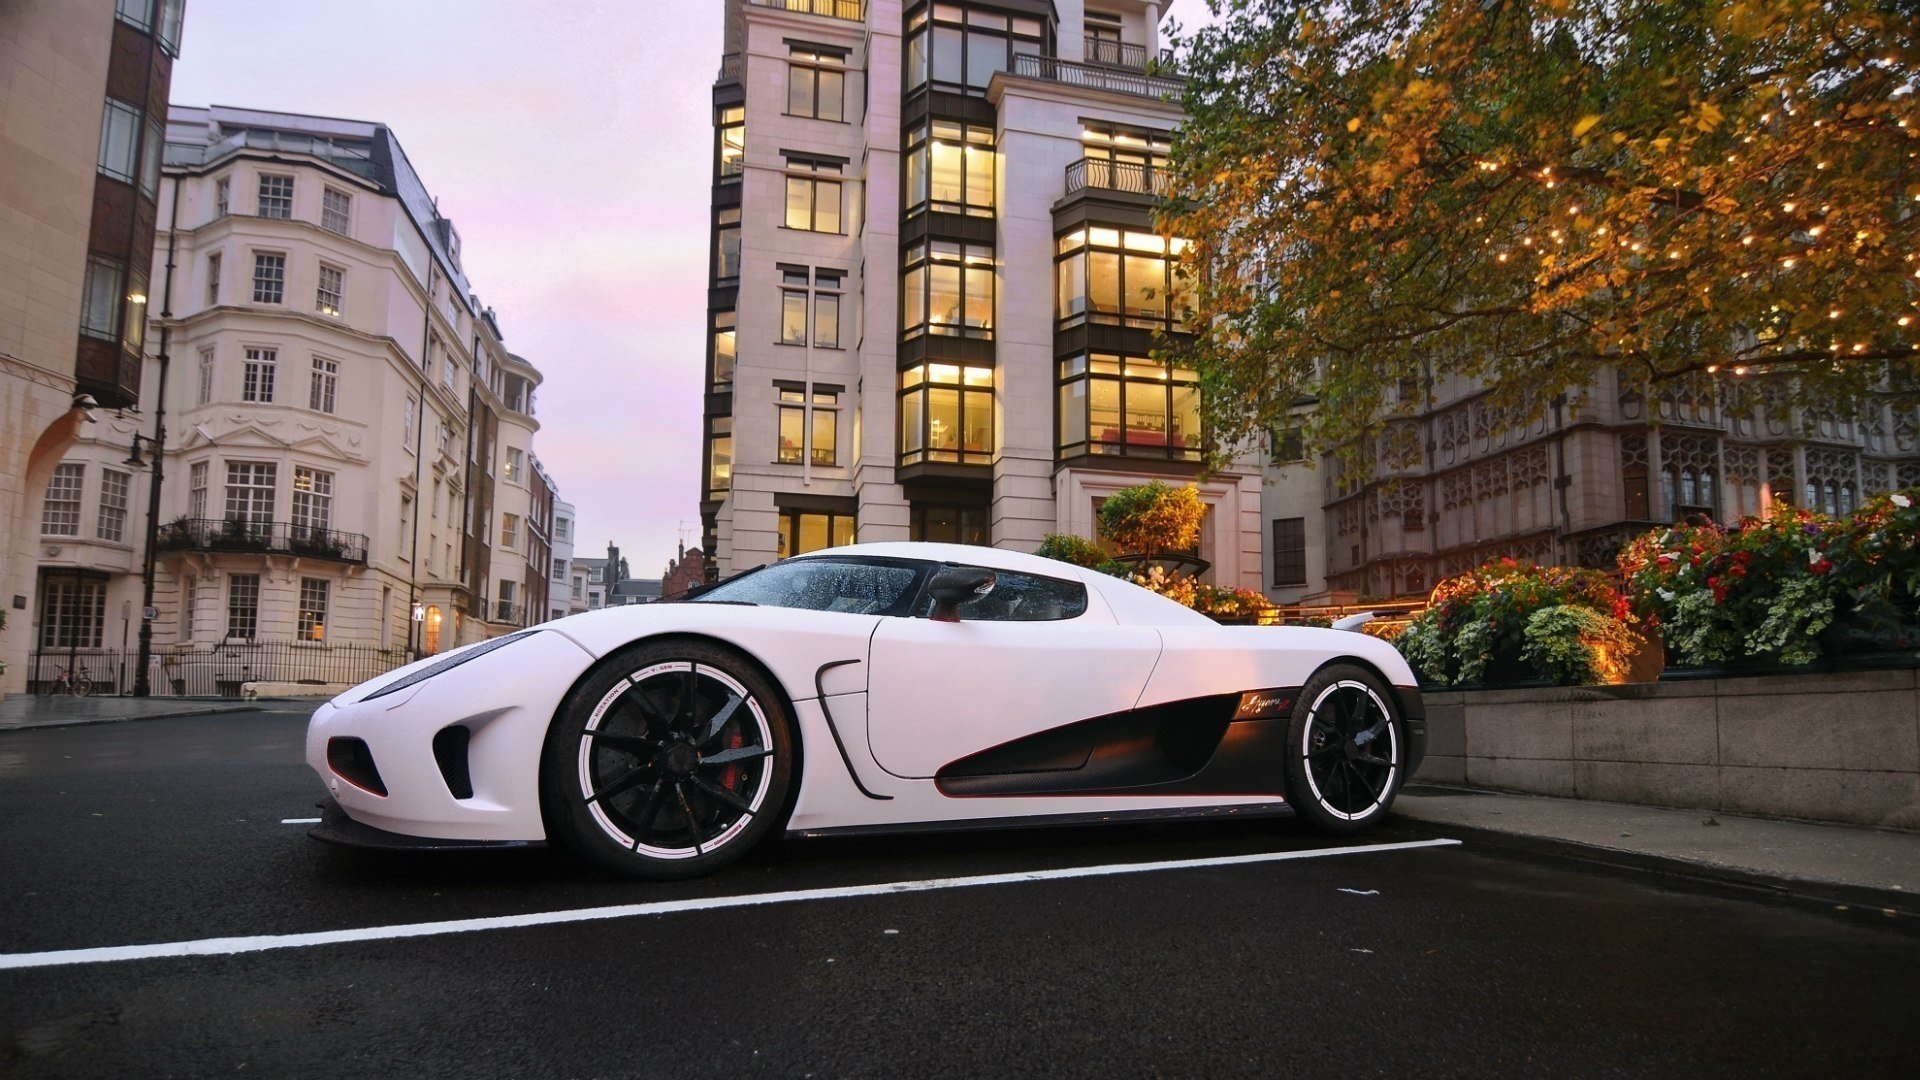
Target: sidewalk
pixel 1841 865
pixel 59 710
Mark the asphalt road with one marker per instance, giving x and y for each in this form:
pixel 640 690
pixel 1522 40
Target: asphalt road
pixel 1438 960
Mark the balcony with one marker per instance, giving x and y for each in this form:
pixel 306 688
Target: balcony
pixel 1129 176
pixel 729 69
pixel 1110 53
pixel 355 159
pixel 506 611
pixel 261 537
pixel 850 10
pixel 1095 77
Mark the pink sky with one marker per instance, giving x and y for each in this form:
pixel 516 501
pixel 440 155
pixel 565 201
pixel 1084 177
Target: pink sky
pixel 568 141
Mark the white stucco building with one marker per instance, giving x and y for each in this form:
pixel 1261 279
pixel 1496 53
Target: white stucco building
pixel 563 598
pixel 347 442
pixel 936 282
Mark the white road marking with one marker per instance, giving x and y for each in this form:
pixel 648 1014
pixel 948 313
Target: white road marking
pixel 299 821
pixel 228 946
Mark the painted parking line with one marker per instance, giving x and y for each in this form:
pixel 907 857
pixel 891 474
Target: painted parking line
pixel 230 945
pixel 299 821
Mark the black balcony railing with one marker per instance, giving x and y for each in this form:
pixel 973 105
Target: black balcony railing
pixel 506 611
pixel 1113 53
pixel 265 537
pixel 729 68
pixel 1131 176
pixel 1095 77
pixel 850 10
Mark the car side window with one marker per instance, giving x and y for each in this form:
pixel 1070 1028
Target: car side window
pixel 1018 597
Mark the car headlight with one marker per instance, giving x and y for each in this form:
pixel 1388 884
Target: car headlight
pixel 442 666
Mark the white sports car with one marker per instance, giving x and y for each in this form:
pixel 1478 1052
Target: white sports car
pixel 878 687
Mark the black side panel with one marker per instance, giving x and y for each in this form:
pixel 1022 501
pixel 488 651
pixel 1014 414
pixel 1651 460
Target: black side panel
pixel 1201 746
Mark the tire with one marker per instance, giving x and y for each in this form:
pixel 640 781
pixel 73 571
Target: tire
pixel 82 686
pixel 649 779
pixel 1346 751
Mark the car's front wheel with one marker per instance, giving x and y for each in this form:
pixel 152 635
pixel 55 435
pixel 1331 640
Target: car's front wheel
pixel 1346 750
pixel 669 760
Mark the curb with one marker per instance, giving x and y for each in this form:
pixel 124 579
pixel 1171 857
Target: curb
pixel 1832 896
pixel 80 721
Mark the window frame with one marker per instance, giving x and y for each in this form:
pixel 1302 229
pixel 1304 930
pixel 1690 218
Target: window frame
pixel 312 507
pixel 60 517
pixel 336 210
pixel 337 295
pixel 324 385
pixel 101 295
pixel 813 64
pixel 970 261
pixel 928 22
pixel 260 374
pixel 1087 369
pixel 243 622
pixel 122 129
pixel 1078 247
pixel 813 177
pixel 922 381
pixel 269 277
pixel 276 204
pixel 917 168
pixel 310 620
pixel 1290 558
pixel 116 489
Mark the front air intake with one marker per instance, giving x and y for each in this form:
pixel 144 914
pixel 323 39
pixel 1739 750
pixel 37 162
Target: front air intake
pixel 450 753
pixel 351 760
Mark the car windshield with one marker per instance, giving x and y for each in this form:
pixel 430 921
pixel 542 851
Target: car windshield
pixel 865 586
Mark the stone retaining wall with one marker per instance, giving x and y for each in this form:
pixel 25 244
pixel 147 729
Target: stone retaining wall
pixel 1842 747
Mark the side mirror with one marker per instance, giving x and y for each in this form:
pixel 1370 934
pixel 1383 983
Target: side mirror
pixel 955 585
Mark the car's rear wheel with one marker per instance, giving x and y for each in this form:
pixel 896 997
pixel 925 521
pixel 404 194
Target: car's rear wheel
pixel 669 760
pixel 1346 750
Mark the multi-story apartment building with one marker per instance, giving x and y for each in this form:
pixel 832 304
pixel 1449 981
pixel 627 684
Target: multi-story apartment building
pixel 81 120
pixel 346 436
pixel 560 591
pixel 1458 483
pixel 936 283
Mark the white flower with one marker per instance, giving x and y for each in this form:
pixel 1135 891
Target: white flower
pixel 1901 501
pixel 1665 594
pixel 1813 556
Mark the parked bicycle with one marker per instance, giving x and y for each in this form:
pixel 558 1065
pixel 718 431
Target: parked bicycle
pixel 75 681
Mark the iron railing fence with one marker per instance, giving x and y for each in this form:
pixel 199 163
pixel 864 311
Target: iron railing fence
pixel 266 537
pixel 1095 77
pixel 202 670
pixel 506 611
pixel 1130 176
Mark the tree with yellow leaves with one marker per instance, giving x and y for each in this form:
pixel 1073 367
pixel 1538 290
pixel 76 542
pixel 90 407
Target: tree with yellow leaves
pixel 1525 193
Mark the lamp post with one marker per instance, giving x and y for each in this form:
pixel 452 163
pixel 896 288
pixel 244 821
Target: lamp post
pixel 142 686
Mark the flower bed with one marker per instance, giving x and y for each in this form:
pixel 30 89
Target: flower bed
pixel 1510 622
pixel 1790 590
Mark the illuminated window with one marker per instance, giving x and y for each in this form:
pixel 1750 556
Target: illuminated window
pixel 720 456
pixel 950 168
pixel 813 203
pixel 725 343
pixel 313 610
pixel 1129 406
pixel 947 288
pixel 795 445
pixel 803 532
pixel 730 126
pixel 1120 277
pixel 946 414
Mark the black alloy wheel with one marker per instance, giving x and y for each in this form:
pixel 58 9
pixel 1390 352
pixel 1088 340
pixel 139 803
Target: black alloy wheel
pixel 1346 756
pixel 669 760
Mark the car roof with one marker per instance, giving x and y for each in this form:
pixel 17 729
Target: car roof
pixel 1131 604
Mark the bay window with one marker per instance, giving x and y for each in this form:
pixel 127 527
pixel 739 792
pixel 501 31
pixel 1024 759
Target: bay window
pixel 957 48
pixel 1130 406
pixel 946 414
pixel 950 168
pixel 1120 277
pixel 947 288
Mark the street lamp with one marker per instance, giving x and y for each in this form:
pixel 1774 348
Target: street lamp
pixel 142 687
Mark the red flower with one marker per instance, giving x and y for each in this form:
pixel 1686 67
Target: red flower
pixel 1822 566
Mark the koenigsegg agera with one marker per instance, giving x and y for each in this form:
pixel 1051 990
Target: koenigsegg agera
pixel 878 687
